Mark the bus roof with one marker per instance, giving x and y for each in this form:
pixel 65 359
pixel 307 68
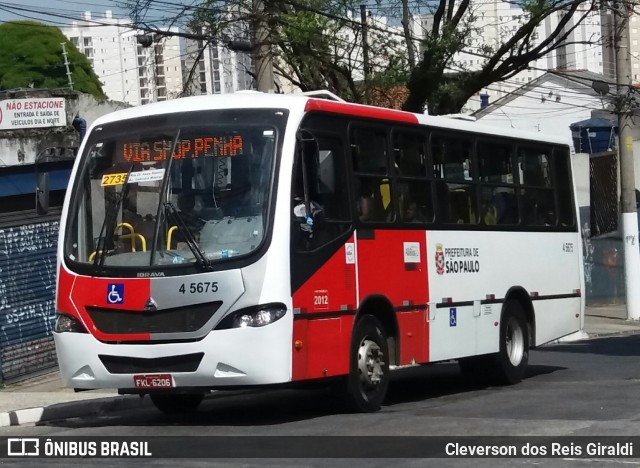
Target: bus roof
pixel 298 103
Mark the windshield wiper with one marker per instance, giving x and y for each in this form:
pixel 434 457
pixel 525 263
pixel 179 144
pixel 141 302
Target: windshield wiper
pixel 109 220
pixel 161 205
pixel 202 260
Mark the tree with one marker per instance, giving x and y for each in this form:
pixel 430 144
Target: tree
pixel 445 86
pixel 316 44
pixel 31 56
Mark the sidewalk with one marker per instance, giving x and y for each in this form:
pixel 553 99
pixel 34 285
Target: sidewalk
pixel 45 399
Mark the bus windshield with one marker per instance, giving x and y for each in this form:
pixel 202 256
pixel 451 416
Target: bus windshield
pixel 183 188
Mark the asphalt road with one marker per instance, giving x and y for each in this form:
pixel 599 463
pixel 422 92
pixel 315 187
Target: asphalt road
pixel 587 388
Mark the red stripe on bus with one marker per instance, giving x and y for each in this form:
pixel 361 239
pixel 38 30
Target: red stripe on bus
pixel 322 348
pixel 359 110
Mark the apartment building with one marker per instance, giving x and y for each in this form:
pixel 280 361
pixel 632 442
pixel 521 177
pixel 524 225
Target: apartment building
pixel 129 71
pixel 214 69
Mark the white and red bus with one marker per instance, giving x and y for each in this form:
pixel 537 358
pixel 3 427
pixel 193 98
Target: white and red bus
pixel 254 239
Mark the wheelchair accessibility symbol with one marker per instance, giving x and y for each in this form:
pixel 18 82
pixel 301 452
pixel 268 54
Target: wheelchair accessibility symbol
pixel 115 293
pixel 453 317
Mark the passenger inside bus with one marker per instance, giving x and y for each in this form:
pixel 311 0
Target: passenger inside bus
pixel 410 210
pixel 371 200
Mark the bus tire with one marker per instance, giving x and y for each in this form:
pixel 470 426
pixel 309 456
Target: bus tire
pixel 513 356
pixel 368 378
pixel 509 364
pixel 178 403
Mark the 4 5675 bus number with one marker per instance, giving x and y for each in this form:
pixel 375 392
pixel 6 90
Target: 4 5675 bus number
pixel 199 287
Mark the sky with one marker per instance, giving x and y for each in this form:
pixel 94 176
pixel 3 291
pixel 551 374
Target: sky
pixel 57 12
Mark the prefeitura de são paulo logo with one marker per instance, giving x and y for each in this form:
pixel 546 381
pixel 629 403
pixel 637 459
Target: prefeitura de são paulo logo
pixel 439 259
pixel 457 260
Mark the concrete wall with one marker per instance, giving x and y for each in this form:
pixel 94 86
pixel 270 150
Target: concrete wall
pixel 19 147
pixel 603 255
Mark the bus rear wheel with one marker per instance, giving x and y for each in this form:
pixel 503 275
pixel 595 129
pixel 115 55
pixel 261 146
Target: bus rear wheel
pixel 368 378
pixel 513 356
pixel 178 403
pixel 509 364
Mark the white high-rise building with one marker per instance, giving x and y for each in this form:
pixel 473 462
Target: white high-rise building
pixel 634 46
pixel 498 20
pixel 128 71
pixel 214 69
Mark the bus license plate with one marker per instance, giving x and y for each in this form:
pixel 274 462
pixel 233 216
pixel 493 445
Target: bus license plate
pixel 153 381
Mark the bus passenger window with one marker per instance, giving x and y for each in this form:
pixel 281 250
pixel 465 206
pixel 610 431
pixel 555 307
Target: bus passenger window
pixel 499 205
pixel 463 205
pixel 538 197
pixel 498 202
pixel 369 151
pixel 372 184
pixel 373 200
pixel 455 187
pixel 452 158
pixel 562 166
pixel 535 168
pixel 538 207
pixel 409 154
pixel 415 201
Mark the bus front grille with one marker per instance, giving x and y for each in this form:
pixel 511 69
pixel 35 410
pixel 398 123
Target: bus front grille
pixel 129 365
pixel 177 320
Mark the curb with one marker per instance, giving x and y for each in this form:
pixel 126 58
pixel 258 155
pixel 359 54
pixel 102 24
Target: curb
pixel 73 409
pixel 608 334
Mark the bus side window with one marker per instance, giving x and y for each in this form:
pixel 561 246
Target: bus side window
pixel 373 185
pixel 562 166
pixel 499 205
pixel 455 182
pixel 415 201
pixel 327 190
pixel 538 199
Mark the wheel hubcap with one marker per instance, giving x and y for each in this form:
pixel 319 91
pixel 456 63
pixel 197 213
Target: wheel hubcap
pixel 370 363
pixel 515 342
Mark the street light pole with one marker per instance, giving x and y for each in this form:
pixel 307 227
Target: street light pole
pixel 627 170
pixel 264 64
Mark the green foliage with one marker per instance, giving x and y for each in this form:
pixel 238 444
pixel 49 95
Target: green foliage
pixel 31 56
pixel 315 44
pixel 538 7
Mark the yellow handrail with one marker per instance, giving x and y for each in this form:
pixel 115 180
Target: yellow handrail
pixel 132 235
pixel 93 255
pixel 169 234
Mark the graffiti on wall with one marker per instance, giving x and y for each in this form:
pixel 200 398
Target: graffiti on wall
pixel 587 252
pixel 27 282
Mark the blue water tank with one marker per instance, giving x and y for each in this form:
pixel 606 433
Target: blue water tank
pixel 594 135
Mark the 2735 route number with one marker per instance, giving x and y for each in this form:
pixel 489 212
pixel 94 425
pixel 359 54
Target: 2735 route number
pixel 199 288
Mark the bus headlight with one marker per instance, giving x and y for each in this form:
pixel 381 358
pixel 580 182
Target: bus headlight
pixel 67 323
pixel 258 316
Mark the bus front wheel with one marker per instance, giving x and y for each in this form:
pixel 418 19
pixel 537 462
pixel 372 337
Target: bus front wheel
pixel 369 365
pixel 176 403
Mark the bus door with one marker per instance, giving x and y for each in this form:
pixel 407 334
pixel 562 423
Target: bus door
pixel 391 264
pixel 391 236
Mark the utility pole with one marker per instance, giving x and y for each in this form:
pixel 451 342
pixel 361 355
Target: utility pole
pixel 627 171
pixel 264 64
pixel 365 52
pixel 66 64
